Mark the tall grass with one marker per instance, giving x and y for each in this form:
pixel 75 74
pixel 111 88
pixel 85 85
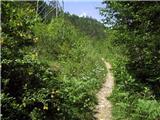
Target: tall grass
pixel 78 65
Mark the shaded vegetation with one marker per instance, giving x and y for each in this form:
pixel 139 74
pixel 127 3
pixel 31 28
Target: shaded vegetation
pixel 135 28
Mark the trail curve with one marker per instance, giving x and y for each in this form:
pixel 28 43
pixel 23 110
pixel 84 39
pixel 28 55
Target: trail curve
pixel 104 107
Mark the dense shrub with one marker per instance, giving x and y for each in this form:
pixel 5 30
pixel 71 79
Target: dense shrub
pixel 27 84
pixel 49 71
pixel 133 49
pixel 138 27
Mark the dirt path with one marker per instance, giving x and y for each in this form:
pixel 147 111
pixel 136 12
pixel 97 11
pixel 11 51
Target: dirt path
pixel 104 107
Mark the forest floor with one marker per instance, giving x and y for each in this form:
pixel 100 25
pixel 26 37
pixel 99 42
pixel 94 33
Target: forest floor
pixel 104 107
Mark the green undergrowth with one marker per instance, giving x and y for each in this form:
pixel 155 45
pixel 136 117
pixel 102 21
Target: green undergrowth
pixel 78 67
pixel 131 99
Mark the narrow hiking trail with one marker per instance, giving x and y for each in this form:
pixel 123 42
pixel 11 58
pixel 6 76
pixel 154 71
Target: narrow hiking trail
pixel 104 107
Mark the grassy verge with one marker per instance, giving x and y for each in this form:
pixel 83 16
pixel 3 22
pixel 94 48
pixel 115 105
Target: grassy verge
pixel 78 66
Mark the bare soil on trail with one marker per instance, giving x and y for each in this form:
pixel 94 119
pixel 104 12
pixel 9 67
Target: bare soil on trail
pixel 104 107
